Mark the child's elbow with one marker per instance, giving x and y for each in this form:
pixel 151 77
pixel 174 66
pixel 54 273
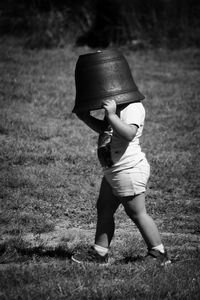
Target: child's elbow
pixel 131 133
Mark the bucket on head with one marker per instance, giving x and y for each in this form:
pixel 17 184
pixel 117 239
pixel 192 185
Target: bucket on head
pixel 103 75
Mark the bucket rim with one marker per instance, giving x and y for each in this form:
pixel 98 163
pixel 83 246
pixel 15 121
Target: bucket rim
pixel 132 97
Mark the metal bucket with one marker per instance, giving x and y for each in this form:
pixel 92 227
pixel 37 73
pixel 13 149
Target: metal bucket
pixel 103 75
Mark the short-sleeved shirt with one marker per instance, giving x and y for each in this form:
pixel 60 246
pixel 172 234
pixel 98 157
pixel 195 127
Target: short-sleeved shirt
pixel 125 154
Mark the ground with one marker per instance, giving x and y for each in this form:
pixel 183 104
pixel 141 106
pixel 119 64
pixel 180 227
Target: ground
pixel 50 179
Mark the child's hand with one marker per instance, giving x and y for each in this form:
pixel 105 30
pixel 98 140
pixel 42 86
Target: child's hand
pixel 110 107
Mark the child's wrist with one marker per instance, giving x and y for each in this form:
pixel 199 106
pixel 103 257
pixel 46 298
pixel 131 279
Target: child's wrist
pixel 111 116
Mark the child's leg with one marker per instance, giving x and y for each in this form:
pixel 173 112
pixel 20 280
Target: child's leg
pixel 135 209
pixel 107 204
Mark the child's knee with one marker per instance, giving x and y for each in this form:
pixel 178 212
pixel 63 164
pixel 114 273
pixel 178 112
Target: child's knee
pixel 107 206
pixel 135 215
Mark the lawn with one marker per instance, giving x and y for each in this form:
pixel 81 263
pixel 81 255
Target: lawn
pixel 50 177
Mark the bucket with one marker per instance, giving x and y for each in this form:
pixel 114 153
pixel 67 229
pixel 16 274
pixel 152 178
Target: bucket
pixel 103 75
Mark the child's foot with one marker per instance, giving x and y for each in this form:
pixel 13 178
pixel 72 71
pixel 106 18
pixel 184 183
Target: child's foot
pixel 89 256
pixel 161 258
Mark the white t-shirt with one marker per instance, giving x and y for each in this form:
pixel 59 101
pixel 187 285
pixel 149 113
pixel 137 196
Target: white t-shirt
pixel 125 154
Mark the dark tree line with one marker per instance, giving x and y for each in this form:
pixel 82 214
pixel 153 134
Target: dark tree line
pixel 99 23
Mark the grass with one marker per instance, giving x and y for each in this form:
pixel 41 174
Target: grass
pixel 50 178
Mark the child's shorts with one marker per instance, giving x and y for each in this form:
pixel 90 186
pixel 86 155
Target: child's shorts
pixel 130 182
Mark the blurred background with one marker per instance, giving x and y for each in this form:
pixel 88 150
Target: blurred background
pixel 102 23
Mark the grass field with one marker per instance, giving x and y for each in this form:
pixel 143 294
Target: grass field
pixel 50 177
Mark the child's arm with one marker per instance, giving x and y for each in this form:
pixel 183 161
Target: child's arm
pixel 95 124
pixel 126 131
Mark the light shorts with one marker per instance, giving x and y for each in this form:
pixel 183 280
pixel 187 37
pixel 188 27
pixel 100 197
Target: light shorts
pixel 130 182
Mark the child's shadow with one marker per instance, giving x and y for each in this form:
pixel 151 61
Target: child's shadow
pixel 19 254
pixel 57 252
pixel 131 259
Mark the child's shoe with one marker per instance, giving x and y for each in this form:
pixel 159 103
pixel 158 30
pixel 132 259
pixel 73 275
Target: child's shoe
pixel 89 256
pixel 161 258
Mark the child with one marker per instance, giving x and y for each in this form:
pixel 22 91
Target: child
pixel 126 172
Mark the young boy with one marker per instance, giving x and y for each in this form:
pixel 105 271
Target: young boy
pixel 126 172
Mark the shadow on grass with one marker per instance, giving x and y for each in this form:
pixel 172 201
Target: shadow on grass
pixel 140 260
pixel 18 254
pixel 58 252
pixel 177 255
pixel 131 259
